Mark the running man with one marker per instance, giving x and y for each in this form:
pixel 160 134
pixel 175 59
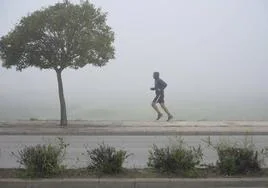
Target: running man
pixel 159 86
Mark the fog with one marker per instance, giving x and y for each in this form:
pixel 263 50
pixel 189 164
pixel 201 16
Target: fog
pixel 212 54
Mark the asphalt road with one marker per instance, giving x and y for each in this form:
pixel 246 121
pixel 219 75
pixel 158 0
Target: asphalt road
pixel 137 145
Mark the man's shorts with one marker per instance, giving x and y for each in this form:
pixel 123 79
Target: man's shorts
pixel 159 98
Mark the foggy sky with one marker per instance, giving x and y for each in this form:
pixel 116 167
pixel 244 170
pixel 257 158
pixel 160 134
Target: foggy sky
pixel 210 49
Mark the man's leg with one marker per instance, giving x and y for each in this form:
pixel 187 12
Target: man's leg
pixel 166 110
pixel 159 114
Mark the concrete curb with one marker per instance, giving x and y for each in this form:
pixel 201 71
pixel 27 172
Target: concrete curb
pixel 65 132
pixel 135 183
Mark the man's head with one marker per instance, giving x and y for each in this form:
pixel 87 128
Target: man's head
pixel 156 75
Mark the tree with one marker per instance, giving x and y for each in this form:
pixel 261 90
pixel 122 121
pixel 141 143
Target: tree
pixel 62 36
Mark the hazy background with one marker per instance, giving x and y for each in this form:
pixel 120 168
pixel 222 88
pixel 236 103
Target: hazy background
pixel 213 55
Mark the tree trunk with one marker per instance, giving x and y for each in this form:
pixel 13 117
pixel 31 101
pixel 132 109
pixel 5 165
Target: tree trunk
pixel 63 116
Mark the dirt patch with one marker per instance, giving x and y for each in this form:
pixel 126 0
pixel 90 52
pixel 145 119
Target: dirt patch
pixel 131 173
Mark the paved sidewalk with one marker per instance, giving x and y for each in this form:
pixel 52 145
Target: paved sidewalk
pixel 135 128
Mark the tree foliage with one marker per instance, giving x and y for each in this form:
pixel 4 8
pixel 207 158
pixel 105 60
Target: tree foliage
pixel 60 36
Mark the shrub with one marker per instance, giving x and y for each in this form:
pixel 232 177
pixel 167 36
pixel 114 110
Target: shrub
pixel 106 159
pixel 237 158
pixel 33 119
pixel 234 160
pixel 177 158
pixel 42 160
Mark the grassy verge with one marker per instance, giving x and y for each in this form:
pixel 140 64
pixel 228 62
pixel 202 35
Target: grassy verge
pixel 129 173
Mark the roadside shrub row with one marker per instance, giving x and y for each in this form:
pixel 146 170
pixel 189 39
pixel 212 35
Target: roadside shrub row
pixel 175 158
